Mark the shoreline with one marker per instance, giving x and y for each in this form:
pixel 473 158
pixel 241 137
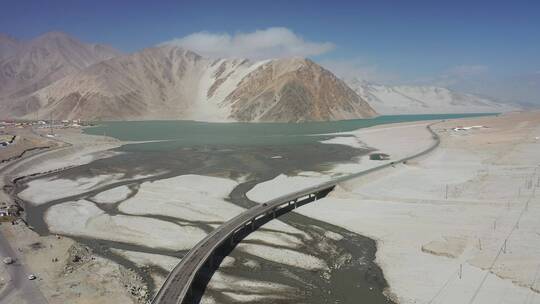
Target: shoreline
pixel 204 243
pixel 344 169
pixel 58 156
pixel 383 212
pixel 263 238
pixel 417 143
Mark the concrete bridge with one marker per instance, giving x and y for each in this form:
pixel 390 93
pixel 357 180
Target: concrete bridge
pixel 207 254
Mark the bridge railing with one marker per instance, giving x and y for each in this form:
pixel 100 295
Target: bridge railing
pixel 214 240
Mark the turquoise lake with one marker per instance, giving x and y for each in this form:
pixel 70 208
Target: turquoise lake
pixel 174 134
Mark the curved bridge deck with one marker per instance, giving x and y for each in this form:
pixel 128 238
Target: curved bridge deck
pixel 177 287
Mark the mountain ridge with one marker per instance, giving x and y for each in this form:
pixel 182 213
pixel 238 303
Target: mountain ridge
pixel 45 59
pixel 58 76
pixel 407 99
pixel 168 82
pixel 9 46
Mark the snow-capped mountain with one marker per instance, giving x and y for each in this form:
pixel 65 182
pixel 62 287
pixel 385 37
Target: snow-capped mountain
pixel 392 100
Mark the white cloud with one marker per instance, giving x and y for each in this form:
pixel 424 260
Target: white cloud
pixel 360 69
pixel 273 42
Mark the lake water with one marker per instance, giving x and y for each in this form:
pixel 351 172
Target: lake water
pixel 174 134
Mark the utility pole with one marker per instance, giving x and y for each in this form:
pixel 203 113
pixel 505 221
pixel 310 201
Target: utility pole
pixel 446 192
pixel 51 125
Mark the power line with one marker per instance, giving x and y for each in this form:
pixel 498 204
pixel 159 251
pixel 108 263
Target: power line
pixel 501 250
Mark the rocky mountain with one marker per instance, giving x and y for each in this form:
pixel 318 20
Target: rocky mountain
pixel 29 66
pixel 55 75
pixel 295 89
pixel 168 82
pixel 392 100
pixel 9 46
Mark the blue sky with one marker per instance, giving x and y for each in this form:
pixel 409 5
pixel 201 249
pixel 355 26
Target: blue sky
pixel 486 47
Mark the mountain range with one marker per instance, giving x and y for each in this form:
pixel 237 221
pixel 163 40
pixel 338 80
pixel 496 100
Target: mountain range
pixel 56 76
pixel 394 100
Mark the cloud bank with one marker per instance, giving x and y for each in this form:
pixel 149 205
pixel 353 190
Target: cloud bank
pixel 273 42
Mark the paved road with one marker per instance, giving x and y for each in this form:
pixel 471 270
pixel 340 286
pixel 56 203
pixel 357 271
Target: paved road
pixel 178 283
pixel 18 288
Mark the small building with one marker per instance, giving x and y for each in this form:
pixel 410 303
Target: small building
pixel 12 210
pixel 379 156
pixel 8 214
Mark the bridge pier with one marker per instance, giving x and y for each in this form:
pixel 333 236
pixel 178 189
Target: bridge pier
pixel 243 227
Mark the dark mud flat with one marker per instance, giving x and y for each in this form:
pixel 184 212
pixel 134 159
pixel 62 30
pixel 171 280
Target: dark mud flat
pixel 353 276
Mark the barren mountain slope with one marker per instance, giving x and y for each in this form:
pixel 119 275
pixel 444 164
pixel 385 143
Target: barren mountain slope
pixel 295 89
pixel 42 61
pixel 391 100
pixel 155 83
pixel 9 46
pixel 168 82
